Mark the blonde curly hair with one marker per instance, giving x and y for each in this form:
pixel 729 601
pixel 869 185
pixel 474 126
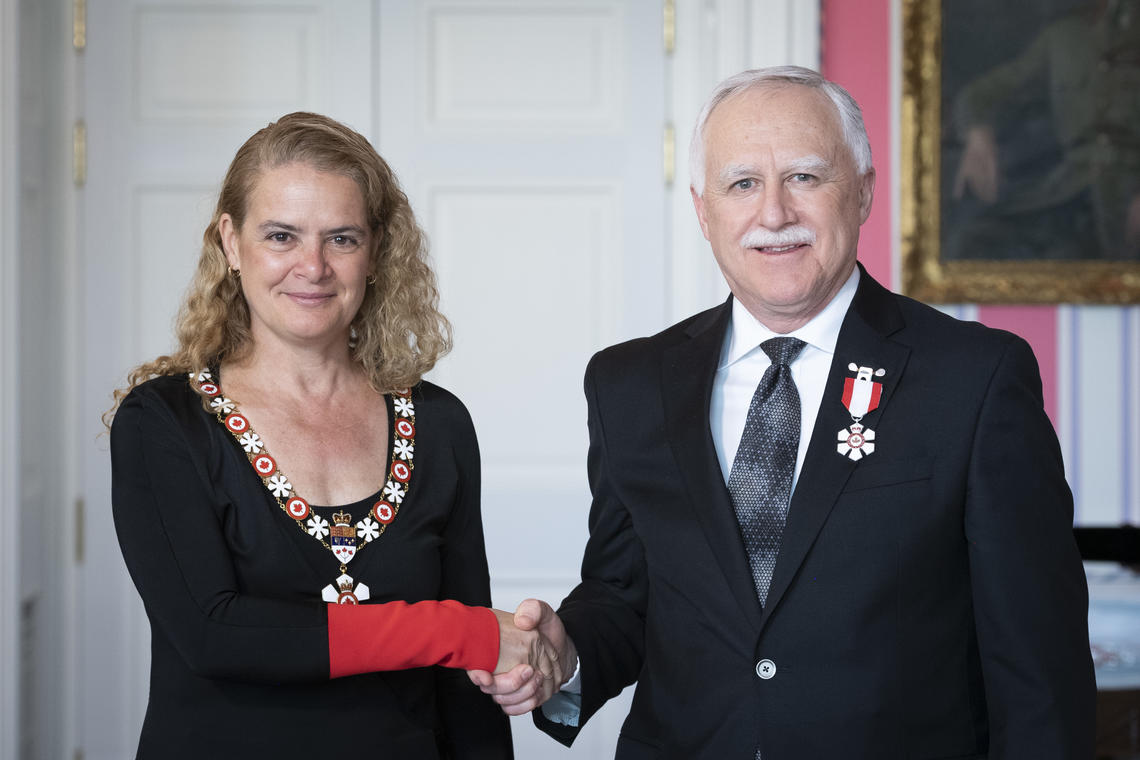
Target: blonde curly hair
pixel 400 334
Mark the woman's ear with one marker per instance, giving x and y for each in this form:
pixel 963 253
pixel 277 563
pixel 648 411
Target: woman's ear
pixel 228 232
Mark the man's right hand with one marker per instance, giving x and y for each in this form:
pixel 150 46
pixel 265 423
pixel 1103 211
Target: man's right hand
pixel 520 690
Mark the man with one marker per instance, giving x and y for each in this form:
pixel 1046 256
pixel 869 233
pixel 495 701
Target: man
pixel 854 541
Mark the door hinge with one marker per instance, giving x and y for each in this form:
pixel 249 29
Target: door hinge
pixel 79 153
pixel 669 154
pixel 79 24
pixel 80 530
pixel 669 25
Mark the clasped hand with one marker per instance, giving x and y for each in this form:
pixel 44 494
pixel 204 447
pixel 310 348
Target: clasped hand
pixel 535 658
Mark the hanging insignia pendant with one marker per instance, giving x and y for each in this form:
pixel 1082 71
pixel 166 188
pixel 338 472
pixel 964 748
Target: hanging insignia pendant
pixel 860 396
pixel 344 592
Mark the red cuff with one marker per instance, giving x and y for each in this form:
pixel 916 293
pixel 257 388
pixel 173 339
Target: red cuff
pixel 397 635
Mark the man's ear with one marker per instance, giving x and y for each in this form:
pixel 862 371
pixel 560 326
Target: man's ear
pixel 866 194
pixel 699 205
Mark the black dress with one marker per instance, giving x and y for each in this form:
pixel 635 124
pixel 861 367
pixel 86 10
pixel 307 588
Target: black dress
pixel 239 645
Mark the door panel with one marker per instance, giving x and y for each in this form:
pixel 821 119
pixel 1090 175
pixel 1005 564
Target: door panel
pixel 531 150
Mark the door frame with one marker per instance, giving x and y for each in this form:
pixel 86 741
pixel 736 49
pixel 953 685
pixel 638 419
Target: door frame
pixel 38 560
pixel 9 387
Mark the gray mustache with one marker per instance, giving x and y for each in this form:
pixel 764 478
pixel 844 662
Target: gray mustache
pixel 793 235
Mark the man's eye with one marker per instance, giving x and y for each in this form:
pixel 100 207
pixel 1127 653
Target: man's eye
pixel 801 177
pixel 744 184
pixel 279 237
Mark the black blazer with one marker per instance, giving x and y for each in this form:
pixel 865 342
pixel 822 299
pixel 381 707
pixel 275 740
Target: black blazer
pixel 239 641
pixel 928 601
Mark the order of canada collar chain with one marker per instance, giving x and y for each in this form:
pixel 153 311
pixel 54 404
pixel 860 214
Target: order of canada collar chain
pixel 346 539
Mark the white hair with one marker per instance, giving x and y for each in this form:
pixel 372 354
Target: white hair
pixel 850 115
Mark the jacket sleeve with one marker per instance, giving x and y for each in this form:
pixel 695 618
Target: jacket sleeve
pixel 177 555
pixel 1028 584
pixel 474 728
pixel 605 613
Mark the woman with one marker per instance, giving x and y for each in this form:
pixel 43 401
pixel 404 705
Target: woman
pixel 297 383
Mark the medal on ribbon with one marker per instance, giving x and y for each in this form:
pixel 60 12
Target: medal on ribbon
pixel 860 395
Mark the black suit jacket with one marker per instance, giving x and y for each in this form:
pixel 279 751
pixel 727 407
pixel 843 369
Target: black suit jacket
pixel 928 601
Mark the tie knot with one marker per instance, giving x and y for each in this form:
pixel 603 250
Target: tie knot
pixel 782 350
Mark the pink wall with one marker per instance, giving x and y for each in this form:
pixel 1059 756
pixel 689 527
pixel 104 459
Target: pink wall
pixel 856 53
pixel 856 45
pixel 1038 325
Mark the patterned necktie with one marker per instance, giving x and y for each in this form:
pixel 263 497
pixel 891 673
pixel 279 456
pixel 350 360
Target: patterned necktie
pixel 760 483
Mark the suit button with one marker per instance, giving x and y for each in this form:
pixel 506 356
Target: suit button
pixel 766 669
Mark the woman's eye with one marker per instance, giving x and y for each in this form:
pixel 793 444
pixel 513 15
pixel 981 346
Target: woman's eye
pixel 344 240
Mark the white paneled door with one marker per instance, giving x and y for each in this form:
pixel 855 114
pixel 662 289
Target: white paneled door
pixel 528 136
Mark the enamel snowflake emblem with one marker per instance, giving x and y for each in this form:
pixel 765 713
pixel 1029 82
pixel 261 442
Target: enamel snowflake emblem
pixel 251 442
pixel 280 486
pixel 344 592
pixel 393 493
pixel 856 442
pixel 318 526
pixel 403 449
pixel 368 529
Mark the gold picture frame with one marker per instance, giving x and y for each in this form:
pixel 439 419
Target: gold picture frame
pixel 925 275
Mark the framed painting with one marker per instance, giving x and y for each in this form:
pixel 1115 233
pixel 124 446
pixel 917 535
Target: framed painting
pixel 1020 154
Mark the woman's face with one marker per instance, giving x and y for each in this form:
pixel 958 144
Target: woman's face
pixel 303 255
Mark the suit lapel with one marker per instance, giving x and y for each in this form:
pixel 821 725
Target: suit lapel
pixel 863 339
pixel 688 371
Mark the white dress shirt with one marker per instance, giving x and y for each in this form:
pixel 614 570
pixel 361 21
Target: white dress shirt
pixel 742 364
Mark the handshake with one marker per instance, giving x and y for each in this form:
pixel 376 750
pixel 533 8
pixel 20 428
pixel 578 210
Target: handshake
pixel 536 657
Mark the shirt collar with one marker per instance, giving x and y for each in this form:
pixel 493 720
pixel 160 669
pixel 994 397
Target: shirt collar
pixel 746 333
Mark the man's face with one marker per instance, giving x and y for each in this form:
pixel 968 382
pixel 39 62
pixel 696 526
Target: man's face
pixel 783 201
